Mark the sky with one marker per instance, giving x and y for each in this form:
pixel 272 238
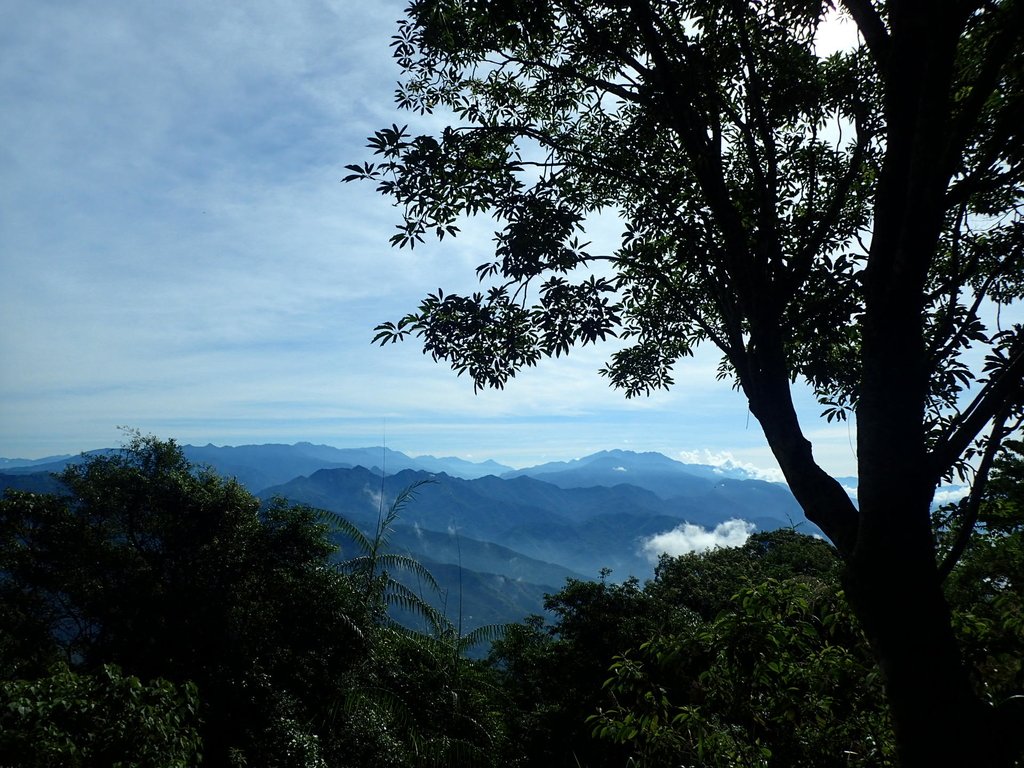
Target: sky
pixel 179 256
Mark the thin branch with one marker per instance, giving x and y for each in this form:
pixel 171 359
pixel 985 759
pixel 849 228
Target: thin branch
pixel 1007 35
pixel 580 16
pixel 594 82
pixel 693 131
pixel 973 505
pixel 957 334
pixel 1001 389
pixel 804 258
pixel 756 104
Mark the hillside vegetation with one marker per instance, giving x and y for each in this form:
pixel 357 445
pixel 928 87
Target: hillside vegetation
pixel 157 614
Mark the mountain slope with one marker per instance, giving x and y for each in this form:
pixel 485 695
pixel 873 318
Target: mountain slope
pixel 582 529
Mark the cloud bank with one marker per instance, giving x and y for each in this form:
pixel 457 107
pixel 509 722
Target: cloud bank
pixel 726 462
pixel 688 538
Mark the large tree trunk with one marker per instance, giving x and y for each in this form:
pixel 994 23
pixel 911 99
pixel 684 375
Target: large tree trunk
pixel 893 586
pixel 891 576
pixel 892 582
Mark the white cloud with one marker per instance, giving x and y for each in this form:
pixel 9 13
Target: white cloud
pixel 725 461
pixel 692 538
pixel 375 498
pixel 949 494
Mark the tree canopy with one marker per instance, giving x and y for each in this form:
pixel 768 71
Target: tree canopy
pixel 852 220
pixel 254 645
pixel 155 611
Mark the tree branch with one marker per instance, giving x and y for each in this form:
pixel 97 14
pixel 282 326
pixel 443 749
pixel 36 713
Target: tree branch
pixel 997 57
pixel 970 516
pixel 804 257
pixel 871 27
pixel 693 130
pixel 1004 388
pixel 820 495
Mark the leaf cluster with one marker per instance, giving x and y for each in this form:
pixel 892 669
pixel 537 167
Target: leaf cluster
pixel 743 166
pixel 235 630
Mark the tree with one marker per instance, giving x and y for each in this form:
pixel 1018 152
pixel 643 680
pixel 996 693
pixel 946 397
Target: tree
pixel 553 675
pixel 108 718
pixel 848 220
pixel 781 677
pixel 169 571
pixel 705 582
pixel 986 588
pixel 735 656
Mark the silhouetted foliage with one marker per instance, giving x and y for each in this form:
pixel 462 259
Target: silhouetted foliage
pixel 706 582
pixel 169 571
pixel 846 220
pixel 157 613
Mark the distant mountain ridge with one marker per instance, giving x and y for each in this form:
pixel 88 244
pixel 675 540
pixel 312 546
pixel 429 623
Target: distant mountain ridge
pixel 500 537
pixel 263 465
pixel 583 527
pixel 15 463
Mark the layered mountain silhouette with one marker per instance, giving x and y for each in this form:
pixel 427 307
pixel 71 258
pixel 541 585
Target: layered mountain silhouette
pixel 497 538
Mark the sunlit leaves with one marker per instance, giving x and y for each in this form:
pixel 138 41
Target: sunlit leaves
pixel 782 676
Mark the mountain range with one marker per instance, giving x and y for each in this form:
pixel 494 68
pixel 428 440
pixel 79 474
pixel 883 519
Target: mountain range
pixel 497 538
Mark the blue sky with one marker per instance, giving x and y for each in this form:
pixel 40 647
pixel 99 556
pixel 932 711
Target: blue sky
pixel 179 256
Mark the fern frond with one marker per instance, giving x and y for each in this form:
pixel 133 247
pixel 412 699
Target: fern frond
pixel 378 701
pixel 486 633
pixel 396 561
pixel 358 564
pixel 347 527
pixel 404 496
pixel 445 751
pixel 397 594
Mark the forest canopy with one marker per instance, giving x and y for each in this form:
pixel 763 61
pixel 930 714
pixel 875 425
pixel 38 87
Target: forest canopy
pixel 157 614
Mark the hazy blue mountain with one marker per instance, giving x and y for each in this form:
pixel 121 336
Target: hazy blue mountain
pixel 444 503
pixel 6 464
pixel 257 466
pixel 582 529
pixel 750 499
pixel 655 472
pixel 471 599
pixel 448 548
pixel 33 482
pixel 58 464
pixel 456 467
pixel 260 466
pixel 481 582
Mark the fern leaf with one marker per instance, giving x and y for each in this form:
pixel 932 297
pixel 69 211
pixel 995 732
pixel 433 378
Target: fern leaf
pixel 342 525
pixel 486 633
pixel 396 561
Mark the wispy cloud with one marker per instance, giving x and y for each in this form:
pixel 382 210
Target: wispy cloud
pixel 725 461
pixel 179 254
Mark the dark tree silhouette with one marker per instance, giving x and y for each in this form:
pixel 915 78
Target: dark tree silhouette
pixel 847 220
